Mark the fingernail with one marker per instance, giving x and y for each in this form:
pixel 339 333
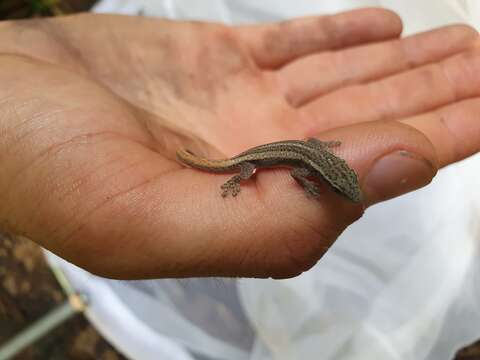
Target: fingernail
pixel 397 173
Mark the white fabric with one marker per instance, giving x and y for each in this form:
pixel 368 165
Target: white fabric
pixel 401 283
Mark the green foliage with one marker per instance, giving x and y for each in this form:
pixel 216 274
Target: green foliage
pixel 16 9
pixel 44 7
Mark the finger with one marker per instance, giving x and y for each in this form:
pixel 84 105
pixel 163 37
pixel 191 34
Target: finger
pixel 454 130
pixel 272 45
pixel 406 94
pixel 317 74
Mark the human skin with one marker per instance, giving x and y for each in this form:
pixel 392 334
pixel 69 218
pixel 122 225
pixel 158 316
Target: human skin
pixel 93 107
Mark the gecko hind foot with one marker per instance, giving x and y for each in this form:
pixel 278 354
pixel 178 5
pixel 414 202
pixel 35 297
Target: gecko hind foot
pixel 232 187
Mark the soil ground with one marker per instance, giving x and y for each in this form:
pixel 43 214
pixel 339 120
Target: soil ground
pixel 28 290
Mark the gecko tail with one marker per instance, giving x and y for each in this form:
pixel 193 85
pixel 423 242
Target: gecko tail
pixel 188 158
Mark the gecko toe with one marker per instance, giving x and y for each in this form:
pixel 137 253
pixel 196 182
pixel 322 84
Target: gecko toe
pixel 230 187
pixel 312 192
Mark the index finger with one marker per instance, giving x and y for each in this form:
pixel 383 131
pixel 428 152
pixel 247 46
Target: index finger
pixel 273 45
pixel 454 130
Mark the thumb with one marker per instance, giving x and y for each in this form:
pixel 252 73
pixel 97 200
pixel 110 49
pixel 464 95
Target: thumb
pixel 391 158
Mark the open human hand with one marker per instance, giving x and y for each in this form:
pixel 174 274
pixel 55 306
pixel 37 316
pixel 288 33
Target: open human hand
pixel 92 109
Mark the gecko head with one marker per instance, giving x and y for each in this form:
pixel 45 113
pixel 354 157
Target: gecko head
pixel 341 177
pixel 346 184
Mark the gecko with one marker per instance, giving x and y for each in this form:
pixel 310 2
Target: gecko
pixel 309 159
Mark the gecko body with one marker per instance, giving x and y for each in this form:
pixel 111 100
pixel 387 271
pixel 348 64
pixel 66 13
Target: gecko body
pixel 310 159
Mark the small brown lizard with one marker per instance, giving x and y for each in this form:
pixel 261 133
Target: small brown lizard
pixel 309 159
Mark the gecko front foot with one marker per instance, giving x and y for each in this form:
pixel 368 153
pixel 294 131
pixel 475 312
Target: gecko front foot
pixel 310 187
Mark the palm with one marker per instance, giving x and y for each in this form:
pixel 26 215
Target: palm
pixel 107 136
pixel 202 86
